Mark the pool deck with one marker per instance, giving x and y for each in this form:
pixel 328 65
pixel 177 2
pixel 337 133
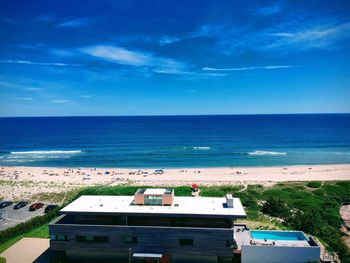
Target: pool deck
pixel 243 237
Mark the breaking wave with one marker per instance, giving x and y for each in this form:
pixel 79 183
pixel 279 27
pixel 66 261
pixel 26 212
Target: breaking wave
pixel 47 152
pixel 198 148
pixel 264 153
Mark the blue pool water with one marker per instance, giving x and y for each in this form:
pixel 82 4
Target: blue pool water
pixel 278 235
pixel 176 141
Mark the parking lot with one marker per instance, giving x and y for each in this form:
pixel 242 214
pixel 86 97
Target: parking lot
pixel 10 217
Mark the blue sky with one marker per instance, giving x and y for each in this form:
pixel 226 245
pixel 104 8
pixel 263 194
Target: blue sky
pixel 173 57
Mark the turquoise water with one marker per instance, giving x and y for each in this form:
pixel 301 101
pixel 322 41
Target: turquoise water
pixel 176 141
pixel 278 235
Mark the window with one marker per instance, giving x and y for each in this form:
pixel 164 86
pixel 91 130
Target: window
pixel 153 200
pixel 130 240
pixel 96 239
pixel 59 237
pixel 100 239
pixel 186 242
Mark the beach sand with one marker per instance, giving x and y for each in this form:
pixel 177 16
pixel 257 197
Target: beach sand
pixel 221 175
pixel 172 176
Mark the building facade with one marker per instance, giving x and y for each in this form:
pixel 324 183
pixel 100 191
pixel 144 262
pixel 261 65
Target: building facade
pixel 154 225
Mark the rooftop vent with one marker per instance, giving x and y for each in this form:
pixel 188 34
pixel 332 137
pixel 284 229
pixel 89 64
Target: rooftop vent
pixel 154 196
pixel 229 200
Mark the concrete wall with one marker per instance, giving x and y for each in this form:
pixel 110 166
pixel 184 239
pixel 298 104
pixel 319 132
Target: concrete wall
pixel 273 254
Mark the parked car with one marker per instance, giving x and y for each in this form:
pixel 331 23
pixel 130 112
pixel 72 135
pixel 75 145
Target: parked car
pixel 36 206
pixel 20 205
pixel 50 208
pixel 5 204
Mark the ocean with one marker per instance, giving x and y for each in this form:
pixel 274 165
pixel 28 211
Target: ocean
pixel 175 141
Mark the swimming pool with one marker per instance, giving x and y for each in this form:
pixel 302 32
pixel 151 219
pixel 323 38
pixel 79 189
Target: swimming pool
pixel 278 235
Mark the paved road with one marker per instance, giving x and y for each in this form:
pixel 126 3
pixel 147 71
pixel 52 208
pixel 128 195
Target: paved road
pixel 10 217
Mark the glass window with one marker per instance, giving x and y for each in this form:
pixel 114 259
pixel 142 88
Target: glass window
pixel 153 200
pixel 80 238
pixel 53 237
pixel 89 238
pixel 101 239
pixel 61 237
pixel 130 240
pixel 186 242
pixel 97 239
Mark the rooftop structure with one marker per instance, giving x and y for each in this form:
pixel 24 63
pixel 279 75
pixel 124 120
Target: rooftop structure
pixel 154 225
pixel 182 206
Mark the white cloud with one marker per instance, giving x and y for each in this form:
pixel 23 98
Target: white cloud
pixel 85 96
pixel 63 101
pixel 128 57
pixel 27 62
pixel 118 55
pixel 79 22
pixel 33 89
pixel 249 68
pixel 316 35
pixel 165 40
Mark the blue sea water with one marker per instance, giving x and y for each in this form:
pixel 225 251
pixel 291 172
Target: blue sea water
pixel 176 141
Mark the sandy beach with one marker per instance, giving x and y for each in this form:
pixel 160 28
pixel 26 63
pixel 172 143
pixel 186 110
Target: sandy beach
pixel 207 176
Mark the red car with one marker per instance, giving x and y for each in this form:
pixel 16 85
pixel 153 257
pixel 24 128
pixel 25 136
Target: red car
pixel 36 206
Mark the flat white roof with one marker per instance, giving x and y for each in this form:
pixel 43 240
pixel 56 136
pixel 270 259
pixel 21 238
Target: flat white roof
pixel 154 191
pixel 194 206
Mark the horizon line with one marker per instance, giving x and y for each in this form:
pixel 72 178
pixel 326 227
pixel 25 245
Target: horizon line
pixel 179 115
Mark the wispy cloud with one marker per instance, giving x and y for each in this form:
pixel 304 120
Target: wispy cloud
pixel 312 36
pixel 24 98
pixel 9 85
pixel 60 52
pixel 27 62
pixel 124 56
pixel 250 68
pixel 165 40
pixel 269 10
pixel 118 55
pixel 85 96
pixel 79 22
pixel 63 102
pixel 12 21
pixel 33 89
pixel 292 35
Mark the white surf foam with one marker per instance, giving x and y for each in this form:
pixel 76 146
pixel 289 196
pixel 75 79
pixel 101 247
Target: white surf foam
pixel 47 152
pixel 262 153
pixel 198 148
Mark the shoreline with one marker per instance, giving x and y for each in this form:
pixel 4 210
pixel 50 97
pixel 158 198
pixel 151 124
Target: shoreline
pixel 91 176
pixel 19 182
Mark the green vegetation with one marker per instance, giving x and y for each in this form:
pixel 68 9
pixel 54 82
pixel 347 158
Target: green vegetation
pixel 2 260
pixel 314 184
pixel 35 227
pixel 309 207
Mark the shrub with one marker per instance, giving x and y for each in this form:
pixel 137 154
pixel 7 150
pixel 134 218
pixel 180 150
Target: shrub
pixel 275 207
pixel 24 227
pixel 314 184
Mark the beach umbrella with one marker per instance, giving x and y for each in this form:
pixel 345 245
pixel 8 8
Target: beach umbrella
pixel 195 186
